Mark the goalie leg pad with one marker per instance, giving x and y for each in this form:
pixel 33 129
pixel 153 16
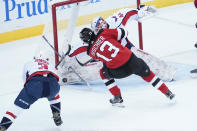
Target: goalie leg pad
pixel 159 67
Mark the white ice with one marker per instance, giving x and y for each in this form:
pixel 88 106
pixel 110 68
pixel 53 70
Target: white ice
pixel 170 36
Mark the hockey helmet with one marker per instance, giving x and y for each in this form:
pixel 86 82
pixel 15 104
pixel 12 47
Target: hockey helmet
pixel 87 35
pixel 98 23
pixel 41 55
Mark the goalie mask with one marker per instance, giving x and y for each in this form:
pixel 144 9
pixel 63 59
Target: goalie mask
pixel 98 23
pixel 87 35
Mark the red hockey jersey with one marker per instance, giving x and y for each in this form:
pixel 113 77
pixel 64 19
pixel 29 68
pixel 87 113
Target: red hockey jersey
pixel 107 49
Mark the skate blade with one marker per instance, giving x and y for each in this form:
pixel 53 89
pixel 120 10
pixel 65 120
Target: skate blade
pixel 193 75
pixel 118 105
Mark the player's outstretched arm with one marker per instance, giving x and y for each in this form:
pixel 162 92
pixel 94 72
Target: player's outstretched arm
pixel 145 12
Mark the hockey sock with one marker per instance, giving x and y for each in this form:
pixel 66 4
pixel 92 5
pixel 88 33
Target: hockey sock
pixel 113 88
pixel 55 107
pixel 156 82
pixel 10 116
pixel 6 122
pixel 110 84
pixel 55 104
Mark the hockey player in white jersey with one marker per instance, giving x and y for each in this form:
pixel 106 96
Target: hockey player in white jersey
pixel 40 81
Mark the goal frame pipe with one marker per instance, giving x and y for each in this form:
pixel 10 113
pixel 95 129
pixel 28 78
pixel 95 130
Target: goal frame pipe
pixel 54 20
pixel 140 29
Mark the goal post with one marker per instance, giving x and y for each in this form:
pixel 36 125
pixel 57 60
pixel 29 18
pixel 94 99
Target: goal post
pixel 71 24
pixel 140 29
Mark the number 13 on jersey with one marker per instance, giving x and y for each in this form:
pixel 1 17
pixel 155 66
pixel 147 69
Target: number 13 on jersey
pixel 110 49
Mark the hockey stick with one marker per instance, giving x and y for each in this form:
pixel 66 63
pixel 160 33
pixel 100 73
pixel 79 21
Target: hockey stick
pixel 62 57
pixel 46 40
pixel 84 64
pixel 79 77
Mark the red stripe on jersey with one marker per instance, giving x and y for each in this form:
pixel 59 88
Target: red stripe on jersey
pixel 11 114
pixel 42 73
pixel 127 16
pixel 57 97
pixel 79 50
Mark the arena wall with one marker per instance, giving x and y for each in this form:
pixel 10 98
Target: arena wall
pixel 21 19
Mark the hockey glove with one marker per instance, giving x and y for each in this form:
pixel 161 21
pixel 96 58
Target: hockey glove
pixel 145 12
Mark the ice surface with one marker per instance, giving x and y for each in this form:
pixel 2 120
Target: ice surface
pixel 89 110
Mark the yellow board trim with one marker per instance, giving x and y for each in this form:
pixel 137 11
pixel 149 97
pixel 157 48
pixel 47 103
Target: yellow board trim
pixel 21 34
pixel 82 20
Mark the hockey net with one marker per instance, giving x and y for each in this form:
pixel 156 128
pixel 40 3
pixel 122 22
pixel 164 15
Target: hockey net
pixel 66 19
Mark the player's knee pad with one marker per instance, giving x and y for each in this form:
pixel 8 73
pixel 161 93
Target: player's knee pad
pixel 142 68
pixel 24 100
pixel 105 73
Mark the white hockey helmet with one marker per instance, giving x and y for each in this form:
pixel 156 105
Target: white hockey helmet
pixel 41 55
pixel 98 23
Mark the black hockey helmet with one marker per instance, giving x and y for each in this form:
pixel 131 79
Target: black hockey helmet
pixel 87 35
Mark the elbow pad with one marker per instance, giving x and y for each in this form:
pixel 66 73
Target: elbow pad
pixel 122 33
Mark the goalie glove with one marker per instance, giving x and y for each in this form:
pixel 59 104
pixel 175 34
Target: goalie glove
pixel 145 12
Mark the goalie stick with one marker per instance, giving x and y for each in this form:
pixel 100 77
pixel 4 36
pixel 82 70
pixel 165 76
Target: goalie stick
pixel 83 64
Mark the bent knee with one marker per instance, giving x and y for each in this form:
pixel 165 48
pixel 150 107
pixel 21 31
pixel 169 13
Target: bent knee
pixel 143 69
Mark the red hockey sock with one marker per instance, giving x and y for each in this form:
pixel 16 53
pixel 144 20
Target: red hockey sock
pixel 156 82
pixel 110 84
pixel 115 91
pixel 149 77
pixel 163 88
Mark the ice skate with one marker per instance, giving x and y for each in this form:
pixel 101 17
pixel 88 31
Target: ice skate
pixel 117 101
pixel 193 73
pixel 57 119
pixel 169 94
pixel 2 128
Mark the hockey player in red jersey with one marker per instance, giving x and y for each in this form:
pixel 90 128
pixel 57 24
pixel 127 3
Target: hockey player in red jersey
pixel 119 19
pixel 127 15
pixel 40 81
pixel 118 61
pixel 193 72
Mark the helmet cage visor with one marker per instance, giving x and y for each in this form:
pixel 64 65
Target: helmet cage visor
pixel 101 23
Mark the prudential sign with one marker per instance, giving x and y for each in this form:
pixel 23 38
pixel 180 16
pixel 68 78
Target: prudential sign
pixel 19 9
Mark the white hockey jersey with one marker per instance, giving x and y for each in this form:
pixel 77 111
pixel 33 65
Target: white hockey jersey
pixel 122 17
pixel 38 67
